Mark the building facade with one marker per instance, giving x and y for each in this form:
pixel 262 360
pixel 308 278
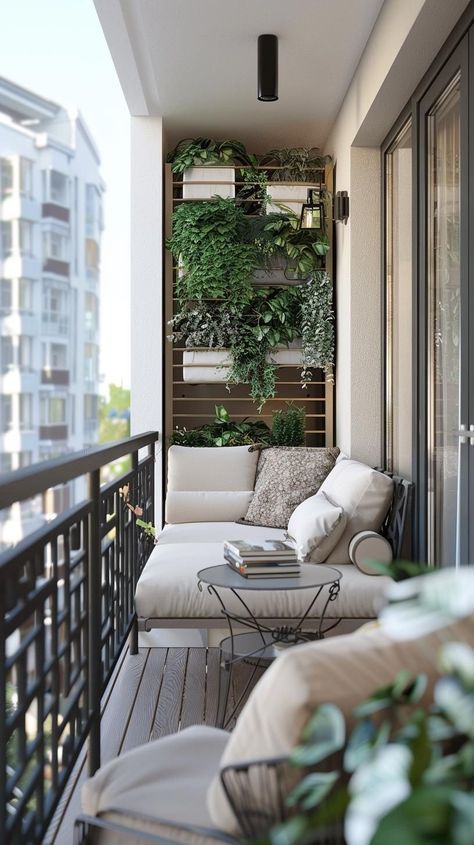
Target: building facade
pixel 51 222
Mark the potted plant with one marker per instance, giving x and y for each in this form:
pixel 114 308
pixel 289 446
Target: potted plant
pixel 298 164
pixel 192 156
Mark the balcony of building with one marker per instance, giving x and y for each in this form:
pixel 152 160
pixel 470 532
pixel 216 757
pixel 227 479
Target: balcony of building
pixel 89 676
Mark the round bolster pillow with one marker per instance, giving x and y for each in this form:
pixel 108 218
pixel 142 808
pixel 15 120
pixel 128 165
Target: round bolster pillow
pixel 366 546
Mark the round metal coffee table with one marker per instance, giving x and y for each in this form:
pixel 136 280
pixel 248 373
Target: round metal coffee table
pixel 262 643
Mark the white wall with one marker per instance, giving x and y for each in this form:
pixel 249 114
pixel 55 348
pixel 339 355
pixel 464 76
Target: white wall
pixel 405 39
pixel 147 283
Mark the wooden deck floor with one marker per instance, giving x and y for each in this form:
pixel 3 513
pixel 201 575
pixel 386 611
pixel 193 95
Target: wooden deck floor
pixel 152 694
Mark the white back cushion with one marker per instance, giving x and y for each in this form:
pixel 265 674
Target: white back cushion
pixel 364 494
pixel 209 484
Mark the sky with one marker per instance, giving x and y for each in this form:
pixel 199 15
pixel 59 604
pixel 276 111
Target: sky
pixel 58 50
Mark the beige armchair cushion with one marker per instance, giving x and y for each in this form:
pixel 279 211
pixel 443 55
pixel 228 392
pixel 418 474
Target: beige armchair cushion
pixel 343 670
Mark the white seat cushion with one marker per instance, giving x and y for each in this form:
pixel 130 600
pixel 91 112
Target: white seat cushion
pixel 209 483
pixel 167 589
pixel 364 494
pixel 167 779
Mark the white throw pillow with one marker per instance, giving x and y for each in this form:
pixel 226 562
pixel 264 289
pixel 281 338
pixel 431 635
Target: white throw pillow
pixel 365 496
pixel 209 483
pixel 315 526
pixel 367 546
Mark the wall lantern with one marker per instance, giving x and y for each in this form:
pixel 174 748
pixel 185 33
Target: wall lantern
pixel 341 207
pixel 312 211
pixel 267 87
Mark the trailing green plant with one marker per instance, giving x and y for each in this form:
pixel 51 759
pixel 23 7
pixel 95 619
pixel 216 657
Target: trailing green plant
pixel 253 196
pixel 205 324
pixel 288 426
pixel 317 325
pixel 212 243
pixel 224 432
pixel 297 164
pixel 191 152
pixel 302 249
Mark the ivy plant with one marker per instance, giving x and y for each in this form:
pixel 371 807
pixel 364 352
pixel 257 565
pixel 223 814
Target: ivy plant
pixel 211 243
pixel 303 249
pixel 192 152
pixel 297 164
pixel 317 325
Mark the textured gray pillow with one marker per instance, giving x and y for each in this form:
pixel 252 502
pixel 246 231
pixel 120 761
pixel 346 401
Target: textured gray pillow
pixel 286 476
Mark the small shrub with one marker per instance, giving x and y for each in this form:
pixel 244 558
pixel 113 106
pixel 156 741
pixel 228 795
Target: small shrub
pixel 288 426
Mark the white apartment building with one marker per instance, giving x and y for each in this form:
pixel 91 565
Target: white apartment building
pixel 51 222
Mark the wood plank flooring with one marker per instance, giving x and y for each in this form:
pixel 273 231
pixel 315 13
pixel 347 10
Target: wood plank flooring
pixel 152 694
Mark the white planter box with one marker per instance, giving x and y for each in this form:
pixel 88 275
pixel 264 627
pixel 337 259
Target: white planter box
pixel 204 174
pixel 211 366
pixel 292 196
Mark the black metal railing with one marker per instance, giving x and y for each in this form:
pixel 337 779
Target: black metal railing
pixel 66 601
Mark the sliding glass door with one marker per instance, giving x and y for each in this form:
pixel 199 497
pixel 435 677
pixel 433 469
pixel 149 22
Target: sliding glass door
pixel 444 315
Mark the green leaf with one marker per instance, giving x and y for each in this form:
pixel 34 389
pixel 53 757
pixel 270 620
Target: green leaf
pixel 324 735
pixel 312 789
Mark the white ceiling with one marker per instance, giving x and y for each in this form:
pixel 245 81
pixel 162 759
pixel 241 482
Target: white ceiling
pixel 194 63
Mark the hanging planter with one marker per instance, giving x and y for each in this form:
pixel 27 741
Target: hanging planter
pixel 213 366
pixel 192 175
pixel 290 196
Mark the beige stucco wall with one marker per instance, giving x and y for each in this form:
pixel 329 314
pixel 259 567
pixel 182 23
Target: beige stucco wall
pixel 405 39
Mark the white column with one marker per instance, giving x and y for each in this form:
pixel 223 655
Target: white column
pixel 147 284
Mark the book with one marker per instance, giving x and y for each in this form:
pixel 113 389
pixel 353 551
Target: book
pixel 267 549
pixel 260 564
pixel 275 570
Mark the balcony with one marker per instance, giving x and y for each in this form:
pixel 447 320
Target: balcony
pixel 55 376
pixel 54 265
pixel 55 211
pixel 53 432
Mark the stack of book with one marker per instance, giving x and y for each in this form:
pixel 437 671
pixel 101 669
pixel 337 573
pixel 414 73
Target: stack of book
pixel 271 559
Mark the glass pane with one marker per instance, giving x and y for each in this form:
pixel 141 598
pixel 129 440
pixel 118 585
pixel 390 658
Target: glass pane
pixel 398 176
pixel 444 324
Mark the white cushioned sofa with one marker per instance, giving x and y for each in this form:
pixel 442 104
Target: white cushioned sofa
pixel 209 490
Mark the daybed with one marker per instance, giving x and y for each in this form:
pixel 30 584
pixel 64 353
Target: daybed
pixel 210 489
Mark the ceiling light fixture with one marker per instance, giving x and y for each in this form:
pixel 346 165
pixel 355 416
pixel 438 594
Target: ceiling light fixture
pixel 267 89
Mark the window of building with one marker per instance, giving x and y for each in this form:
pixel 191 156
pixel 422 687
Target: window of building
pixel 25 352
pixel 7 237
pixel 91 362
pixel 58 188
pixel 26 178
pixel 6 177
pixel 398 303
pixel 7 412
pixel 25 233
pixel 6 295
pixel 91 407
pixel 25 458
pixel 26 411
pixel 55 356
pixel 25 294
pixel 91 312
pixel 92 254
pixel 6 349
pixel 53 410
pixel 55 245
pixel 6 463
pixel 55 304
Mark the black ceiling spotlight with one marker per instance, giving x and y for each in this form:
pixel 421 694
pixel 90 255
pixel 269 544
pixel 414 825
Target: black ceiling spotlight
pixel 312 211
pixel 267 68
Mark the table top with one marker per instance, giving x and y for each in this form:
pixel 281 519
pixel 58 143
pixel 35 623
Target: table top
pixel 311 575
